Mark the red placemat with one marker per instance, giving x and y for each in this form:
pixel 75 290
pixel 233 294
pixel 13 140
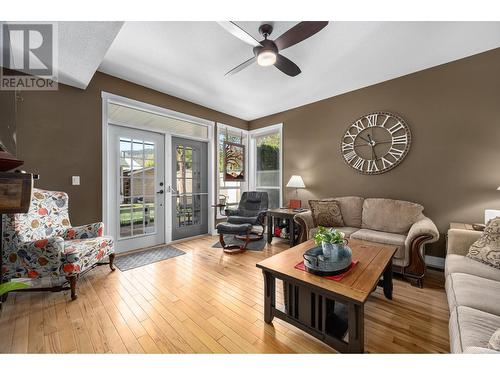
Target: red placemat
pixel 338 277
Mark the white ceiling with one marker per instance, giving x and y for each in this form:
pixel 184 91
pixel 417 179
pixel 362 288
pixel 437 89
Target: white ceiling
pixel 189 59
pixel 81 47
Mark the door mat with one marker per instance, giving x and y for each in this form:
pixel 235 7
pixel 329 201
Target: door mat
pixel 143 258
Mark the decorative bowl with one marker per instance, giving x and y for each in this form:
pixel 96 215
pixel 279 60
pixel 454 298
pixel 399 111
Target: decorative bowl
pixel 316 262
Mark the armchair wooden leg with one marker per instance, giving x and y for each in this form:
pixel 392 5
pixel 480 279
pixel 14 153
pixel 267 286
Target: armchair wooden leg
pixel 111 261
pixel 72 283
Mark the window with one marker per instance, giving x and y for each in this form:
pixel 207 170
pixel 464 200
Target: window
pixel 230 189
pixel 266 162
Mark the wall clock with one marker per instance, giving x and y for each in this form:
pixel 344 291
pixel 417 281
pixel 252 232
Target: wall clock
pixel 375 143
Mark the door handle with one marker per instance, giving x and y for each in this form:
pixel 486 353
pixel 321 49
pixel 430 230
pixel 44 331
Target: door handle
pixel 160 192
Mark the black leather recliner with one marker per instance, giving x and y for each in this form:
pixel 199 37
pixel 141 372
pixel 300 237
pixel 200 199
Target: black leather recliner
pixel 252 209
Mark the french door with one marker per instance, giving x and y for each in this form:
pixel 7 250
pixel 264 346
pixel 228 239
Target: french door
pixel 189 188
pixel 136 177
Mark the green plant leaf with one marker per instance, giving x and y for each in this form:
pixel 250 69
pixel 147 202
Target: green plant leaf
pixel 328 235
pixel 11 286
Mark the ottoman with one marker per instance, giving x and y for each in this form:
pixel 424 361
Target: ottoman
pixel 237 230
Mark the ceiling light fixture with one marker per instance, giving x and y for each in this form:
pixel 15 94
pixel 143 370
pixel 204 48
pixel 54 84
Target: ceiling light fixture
pixel 266 58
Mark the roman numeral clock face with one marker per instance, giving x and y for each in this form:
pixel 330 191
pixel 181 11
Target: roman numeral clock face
pixel 376 143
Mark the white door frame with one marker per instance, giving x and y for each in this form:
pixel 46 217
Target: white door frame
pixel 121 100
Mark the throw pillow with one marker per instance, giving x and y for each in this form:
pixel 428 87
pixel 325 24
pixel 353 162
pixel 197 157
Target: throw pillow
pixel 487 247
pixel 494 342
pixel 326 213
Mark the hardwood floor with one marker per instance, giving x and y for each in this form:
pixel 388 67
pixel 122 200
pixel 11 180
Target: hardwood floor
pixel 205 302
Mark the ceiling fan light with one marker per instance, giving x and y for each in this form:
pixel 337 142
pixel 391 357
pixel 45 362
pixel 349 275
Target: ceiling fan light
pixel 266 58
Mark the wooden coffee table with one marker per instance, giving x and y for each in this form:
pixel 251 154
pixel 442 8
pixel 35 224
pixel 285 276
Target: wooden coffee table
pixel 322 307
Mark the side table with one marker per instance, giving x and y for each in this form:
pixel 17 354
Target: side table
pixel 464 226
pixel 281 213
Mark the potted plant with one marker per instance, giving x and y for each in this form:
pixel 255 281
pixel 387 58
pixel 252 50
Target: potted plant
pixel 333 243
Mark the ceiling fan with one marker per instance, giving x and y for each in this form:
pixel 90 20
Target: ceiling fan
pixel 267 51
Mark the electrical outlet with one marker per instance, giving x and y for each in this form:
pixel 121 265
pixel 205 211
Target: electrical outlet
pixel 75 180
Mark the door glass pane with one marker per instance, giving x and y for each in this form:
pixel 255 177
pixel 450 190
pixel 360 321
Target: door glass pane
pixel 184 206
pixel 125 217
pixel 180 153
pixel 138 149
pixel 196 209
pixel 149 151
pixel 180 169
pixel 138 217
pixel 137 187
pixel 125 147
pixel 149 186
pixel 125 190
pixel 149 214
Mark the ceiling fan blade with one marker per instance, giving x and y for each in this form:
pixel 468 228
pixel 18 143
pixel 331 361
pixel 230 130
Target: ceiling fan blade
pixel 240 67
pixel 298 33
pixel 239 33
pixel 286 66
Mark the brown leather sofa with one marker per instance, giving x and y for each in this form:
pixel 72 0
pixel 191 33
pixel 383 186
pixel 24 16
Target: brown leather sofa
pixel 387 221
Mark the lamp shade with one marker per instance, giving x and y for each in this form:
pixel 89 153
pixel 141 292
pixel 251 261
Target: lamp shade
pixel 296 182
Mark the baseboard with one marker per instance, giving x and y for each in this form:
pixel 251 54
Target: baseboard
pixel 436 262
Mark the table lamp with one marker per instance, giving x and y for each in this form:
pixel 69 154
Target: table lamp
pixel 295 182
pixel 491 214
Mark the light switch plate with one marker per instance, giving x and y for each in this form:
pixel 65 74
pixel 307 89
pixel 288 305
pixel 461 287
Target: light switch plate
pixel 75 180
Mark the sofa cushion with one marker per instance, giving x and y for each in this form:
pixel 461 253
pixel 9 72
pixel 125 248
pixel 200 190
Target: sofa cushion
pixel 346 230
pixel 384 238
pixel 389 215
pixel 478 350
pixel 471 328
pixel 487 247
pixel 254 220
pixel 460 264
pixel 326 213
pixel 351 208
pixel 473 291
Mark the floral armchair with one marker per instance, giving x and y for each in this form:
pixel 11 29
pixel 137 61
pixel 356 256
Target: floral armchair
pixel 42 242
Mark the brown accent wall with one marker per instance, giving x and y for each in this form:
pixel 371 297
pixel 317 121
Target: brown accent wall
pixel 59 135
pixel 8 121
pixel 453 166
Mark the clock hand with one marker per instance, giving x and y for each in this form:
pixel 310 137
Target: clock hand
pixel 372 146
pixel 364 139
